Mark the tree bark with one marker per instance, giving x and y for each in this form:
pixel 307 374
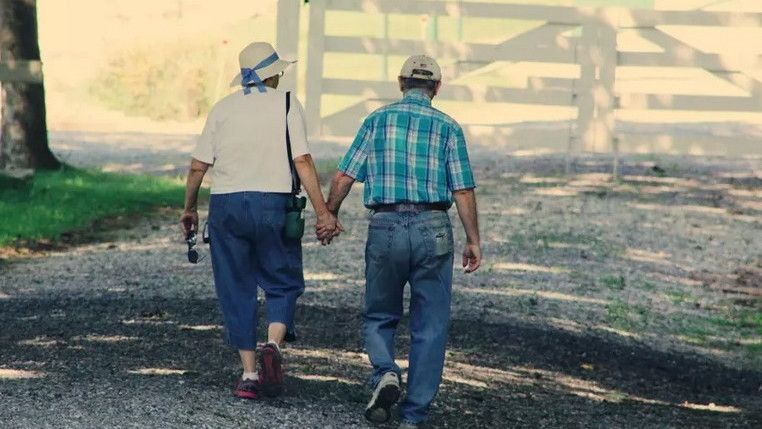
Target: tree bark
pixel 24 132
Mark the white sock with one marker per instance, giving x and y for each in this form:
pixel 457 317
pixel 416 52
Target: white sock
pixel 277 347
pixel 249 376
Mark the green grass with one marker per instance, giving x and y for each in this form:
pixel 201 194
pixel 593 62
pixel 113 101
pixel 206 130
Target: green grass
pixel 626 316
pixel 542 240
pixel 71 199
pixel 728 330
pixel 646 285
pixel 678 297
pixel 614 282
pixel 754 349
pixel 750 320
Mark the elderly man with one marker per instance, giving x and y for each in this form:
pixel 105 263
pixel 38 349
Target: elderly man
pixel 254 139
pixel 414 162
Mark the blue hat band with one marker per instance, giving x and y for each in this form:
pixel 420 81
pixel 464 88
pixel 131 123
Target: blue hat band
pixel 250 74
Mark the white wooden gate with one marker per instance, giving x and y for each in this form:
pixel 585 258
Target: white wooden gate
pixel 585 38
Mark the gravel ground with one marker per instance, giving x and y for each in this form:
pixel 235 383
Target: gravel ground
pixel 630 304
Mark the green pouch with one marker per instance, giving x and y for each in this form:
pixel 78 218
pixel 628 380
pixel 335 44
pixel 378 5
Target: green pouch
pixel 295 217
pixel 295 206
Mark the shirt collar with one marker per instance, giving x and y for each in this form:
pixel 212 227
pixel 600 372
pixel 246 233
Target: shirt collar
pixel 417 96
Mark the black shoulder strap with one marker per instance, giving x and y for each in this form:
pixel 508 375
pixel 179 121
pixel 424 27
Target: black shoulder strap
pixel 295 183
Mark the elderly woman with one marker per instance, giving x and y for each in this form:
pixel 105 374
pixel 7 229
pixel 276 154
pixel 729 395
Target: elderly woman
pixel 255 140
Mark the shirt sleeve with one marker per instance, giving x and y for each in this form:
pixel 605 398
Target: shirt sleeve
pixel 204 151
pixel 353 164
pixel 297 128
pixel 459 174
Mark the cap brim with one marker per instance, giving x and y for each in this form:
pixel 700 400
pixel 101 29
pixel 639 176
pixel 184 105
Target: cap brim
pixel 269 71
pixel 423 77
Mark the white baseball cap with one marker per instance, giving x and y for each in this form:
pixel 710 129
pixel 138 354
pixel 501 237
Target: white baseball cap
pixel 421 67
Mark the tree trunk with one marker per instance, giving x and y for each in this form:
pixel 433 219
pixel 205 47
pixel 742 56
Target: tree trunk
pixel 24 132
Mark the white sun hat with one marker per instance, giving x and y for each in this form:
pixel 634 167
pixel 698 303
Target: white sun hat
pixel 258 61
pixel 421 67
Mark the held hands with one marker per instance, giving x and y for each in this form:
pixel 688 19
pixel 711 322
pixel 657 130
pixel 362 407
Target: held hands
pixel 189 222
pixel 327 227
pixel 472 257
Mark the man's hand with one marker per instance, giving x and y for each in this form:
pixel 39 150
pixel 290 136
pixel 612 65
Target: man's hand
pixel 189 222
pixel 472 257
pixel 327 227
pixel 465 200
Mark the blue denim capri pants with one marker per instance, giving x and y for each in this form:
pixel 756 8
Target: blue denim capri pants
pixel 249 249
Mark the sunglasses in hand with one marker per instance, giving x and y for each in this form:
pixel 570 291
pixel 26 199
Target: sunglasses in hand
pixel 192 252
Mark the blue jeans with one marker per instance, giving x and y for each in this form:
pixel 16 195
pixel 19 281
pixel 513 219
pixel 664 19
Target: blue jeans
pixel 415 248
pixel 249 250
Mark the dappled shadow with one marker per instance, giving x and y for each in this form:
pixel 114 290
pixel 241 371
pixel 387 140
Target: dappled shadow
pixel 618 364
pixel 670 180
pixel 495 372
pixel 567 324
pixel 651 252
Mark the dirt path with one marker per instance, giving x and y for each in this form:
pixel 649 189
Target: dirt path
pixel 600 305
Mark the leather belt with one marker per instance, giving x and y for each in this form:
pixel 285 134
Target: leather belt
pixel 410 207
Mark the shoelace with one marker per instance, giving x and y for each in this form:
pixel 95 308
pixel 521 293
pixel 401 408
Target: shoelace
pixel 248 385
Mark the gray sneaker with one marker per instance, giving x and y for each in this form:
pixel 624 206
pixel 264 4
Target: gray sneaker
pixel 385 395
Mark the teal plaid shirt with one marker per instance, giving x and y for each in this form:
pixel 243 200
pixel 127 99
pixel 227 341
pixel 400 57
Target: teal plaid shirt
pixel 409 152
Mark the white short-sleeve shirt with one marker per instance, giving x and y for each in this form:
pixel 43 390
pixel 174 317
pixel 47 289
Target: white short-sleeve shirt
pixel 245 141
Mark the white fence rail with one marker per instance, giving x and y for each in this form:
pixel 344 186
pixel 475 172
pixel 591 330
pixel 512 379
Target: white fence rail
pixel 585 38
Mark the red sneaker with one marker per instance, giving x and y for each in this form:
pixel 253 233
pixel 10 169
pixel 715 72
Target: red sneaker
pixel 270 371
pixel 246 389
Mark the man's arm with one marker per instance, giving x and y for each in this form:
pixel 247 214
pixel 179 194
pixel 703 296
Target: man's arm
pixel 465 200
pixel 305 167
pixel 340 187
pixel 189 218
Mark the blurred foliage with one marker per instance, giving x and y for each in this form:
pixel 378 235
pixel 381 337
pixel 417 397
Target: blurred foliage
pixel 181 80
pixel 173 82
pixel 326 168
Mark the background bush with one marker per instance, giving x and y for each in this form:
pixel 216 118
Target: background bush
pixel 176 82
